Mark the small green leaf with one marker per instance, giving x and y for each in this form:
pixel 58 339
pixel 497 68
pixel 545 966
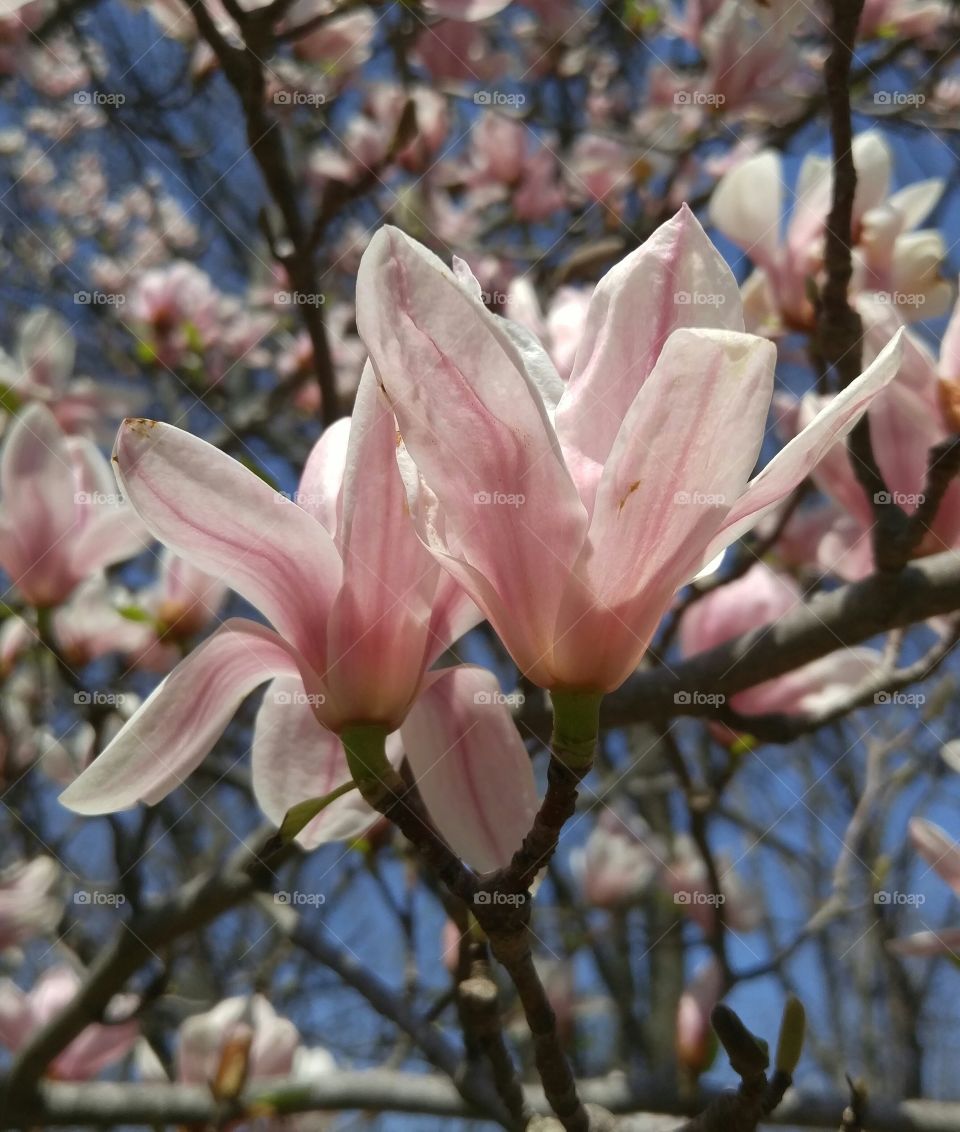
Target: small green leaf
pixel 10 401
pixel 793 1026
pixel 133 613
pixel 304 812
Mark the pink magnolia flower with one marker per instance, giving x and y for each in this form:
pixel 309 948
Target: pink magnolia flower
pixel 761 597
pixel 22 1013
pixel 573 514
pixel 458 50
pixel 62 518
pixel 506 157
pixel 619 862
pixel 29 905
pixel 42 368
pixel 889 256
pixel 942 854
pixel 907 18
pixel 600 169
pixel 688 878
pixel 339 45
pixel 360 610
pixel 913 414
pixel 696 1043
pixel 179 309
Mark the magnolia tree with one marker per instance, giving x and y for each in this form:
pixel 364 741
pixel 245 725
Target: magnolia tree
pixel 505 673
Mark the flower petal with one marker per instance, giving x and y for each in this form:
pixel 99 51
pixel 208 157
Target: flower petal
pixel 471 766
pixel 677 278
pixel 295 758
pixel 210 510
pixel 938 849
pixel 322 479
pixel 475 425
pixel 175 727
pixel 796 460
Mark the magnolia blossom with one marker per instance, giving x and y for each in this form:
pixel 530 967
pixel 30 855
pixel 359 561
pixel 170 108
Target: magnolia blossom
pixel 761 597
pixel 619 862
pixel 942 854
pixel 41 369
pixel 359 609
pixel 99 1045
pixel 573 514
pixel 696 1043
pixel 890 257
pixel 506 158
pixel 911 416
pixel 688 878
pixel 62 518
pixel 29 904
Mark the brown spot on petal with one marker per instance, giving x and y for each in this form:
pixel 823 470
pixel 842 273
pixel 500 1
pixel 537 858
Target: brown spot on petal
pixel 630 490
pixel 949 393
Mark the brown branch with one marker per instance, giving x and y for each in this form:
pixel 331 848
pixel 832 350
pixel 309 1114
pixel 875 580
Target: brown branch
pixel 197 904
pixel 243 69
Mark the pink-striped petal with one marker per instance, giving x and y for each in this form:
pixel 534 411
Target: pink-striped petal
pixel 225 520
pixel 797 459
pixel 677 278
pixel 471 766
pixel 476 426
pixel 175 727
pixel 296 758
pixel 322 479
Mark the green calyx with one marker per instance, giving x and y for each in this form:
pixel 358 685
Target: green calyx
pixel 366 748
pixel 576 726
